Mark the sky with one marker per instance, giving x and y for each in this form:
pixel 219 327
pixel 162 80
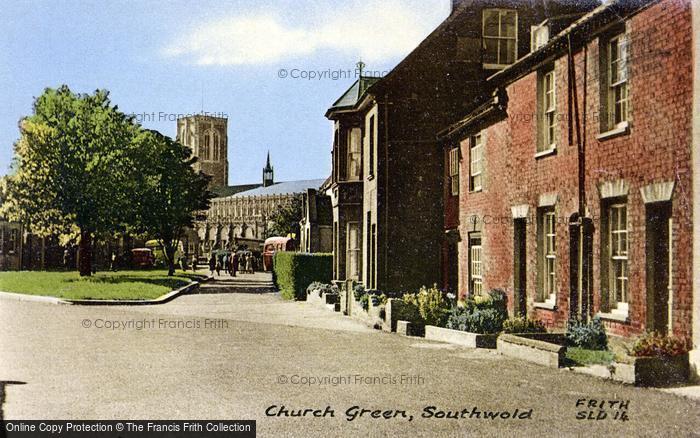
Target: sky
pixel 272 67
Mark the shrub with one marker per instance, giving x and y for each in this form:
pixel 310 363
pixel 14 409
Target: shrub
pixel 475 320
pixel 483 314
pixel 364 301
pixel 657 345
pixel 431 304
pixel 589 335
pixel 322 288
pixel 358 291
pixel 523 325
pixel 314 287
pixel 294 272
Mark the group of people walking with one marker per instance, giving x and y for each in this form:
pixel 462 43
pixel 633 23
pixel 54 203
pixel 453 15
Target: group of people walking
pixel 242 261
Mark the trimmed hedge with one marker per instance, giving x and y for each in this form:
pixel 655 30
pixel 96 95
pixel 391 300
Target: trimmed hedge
pixel 295 271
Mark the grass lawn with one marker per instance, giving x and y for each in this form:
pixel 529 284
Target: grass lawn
pixel 583 357
pixel 122 285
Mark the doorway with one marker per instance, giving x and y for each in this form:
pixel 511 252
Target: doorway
pixel 520 267
pixel 658 266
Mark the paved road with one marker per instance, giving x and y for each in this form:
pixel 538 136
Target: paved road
pixel 225 355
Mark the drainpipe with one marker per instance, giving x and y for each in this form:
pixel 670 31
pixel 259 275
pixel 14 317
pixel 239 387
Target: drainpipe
pixel 386 189
pixel 580 285
pixel 695 154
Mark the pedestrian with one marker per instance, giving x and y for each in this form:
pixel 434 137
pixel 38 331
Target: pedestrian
pixel 249 262
pixel 183 263
pixel 212 264
pixel 232 265
pixel 194 263
pixel 244 263
pixel 113 262
pixel 225 264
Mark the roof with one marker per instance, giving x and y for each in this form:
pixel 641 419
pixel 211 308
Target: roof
pixel 581 29
pixel 222 192
pixel 354 94
pixel 283 188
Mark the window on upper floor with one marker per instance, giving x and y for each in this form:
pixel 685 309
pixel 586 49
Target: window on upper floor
pixel 614 86
pixel 617 85
pixel 476 163
pixel 216 145
pixel 547 105
pixel 539 35
pixel 205 149
pixel 500 37
pixel 354 160
pixel 453 167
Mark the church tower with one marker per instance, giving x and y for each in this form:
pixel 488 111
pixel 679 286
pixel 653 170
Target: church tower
pixel 268 173
pixel 207 136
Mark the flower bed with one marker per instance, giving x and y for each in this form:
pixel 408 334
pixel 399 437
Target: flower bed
pixel 656 360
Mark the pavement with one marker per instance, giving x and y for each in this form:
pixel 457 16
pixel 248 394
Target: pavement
pixel 236 349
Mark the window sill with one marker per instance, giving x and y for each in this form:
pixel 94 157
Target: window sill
pixel 546 306
pixel 618 317
pixel 622 129
pixel 476 191
pixel 487 66
pixel 546 152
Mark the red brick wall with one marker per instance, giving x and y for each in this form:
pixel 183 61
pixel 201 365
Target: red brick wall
pixel 657 149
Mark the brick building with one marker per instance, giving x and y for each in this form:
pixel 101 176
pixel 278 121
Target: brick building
pixel 316 225
pixel 394 121
pixel 575 177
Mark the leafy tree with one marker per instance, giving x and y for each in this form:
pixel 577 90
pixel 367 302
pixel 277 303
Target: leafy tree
pixel 73 168
pixel 286 219
pixel 169 190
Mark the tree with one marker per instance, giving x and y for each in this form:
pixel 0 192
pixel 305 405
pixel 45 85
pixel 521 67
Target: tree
pixel 286 219
pixel 169 190
pixel 73 168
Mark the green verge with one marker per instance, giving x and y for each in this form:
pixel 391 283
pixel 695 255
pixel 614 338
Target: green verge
pixel 583 357
pixel 122 285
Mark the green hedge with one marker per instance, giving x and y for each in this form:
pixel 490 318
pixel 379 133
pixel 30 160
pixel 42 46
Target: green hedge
pixel 294 272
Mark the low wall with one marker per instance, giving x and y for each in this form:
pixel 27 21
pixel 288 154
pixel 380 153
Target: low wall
pixel 536 348
pixel 467 339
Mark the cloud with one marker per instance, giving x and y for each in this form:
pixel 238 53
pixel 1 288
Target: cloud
pixel 374 30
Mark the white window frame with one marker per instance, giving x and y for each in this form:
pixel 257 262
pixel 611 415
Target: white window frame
pixel 353 251
pixel 618 249
pixel 354 155
pixel 498 38
pixel 548 104
pixel 618 85
pixel 454 171
pixel 476 162
pixel 476 265
pixel 547 293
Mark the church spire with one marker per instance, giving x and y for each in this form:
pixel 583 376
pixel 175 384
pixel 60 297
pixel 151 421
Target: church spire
pixel 268 167
pixel 268 173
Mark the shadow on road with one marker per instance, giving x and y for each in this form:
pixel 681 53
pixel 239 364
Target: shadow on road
pixel 241 284
pixel 3 394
